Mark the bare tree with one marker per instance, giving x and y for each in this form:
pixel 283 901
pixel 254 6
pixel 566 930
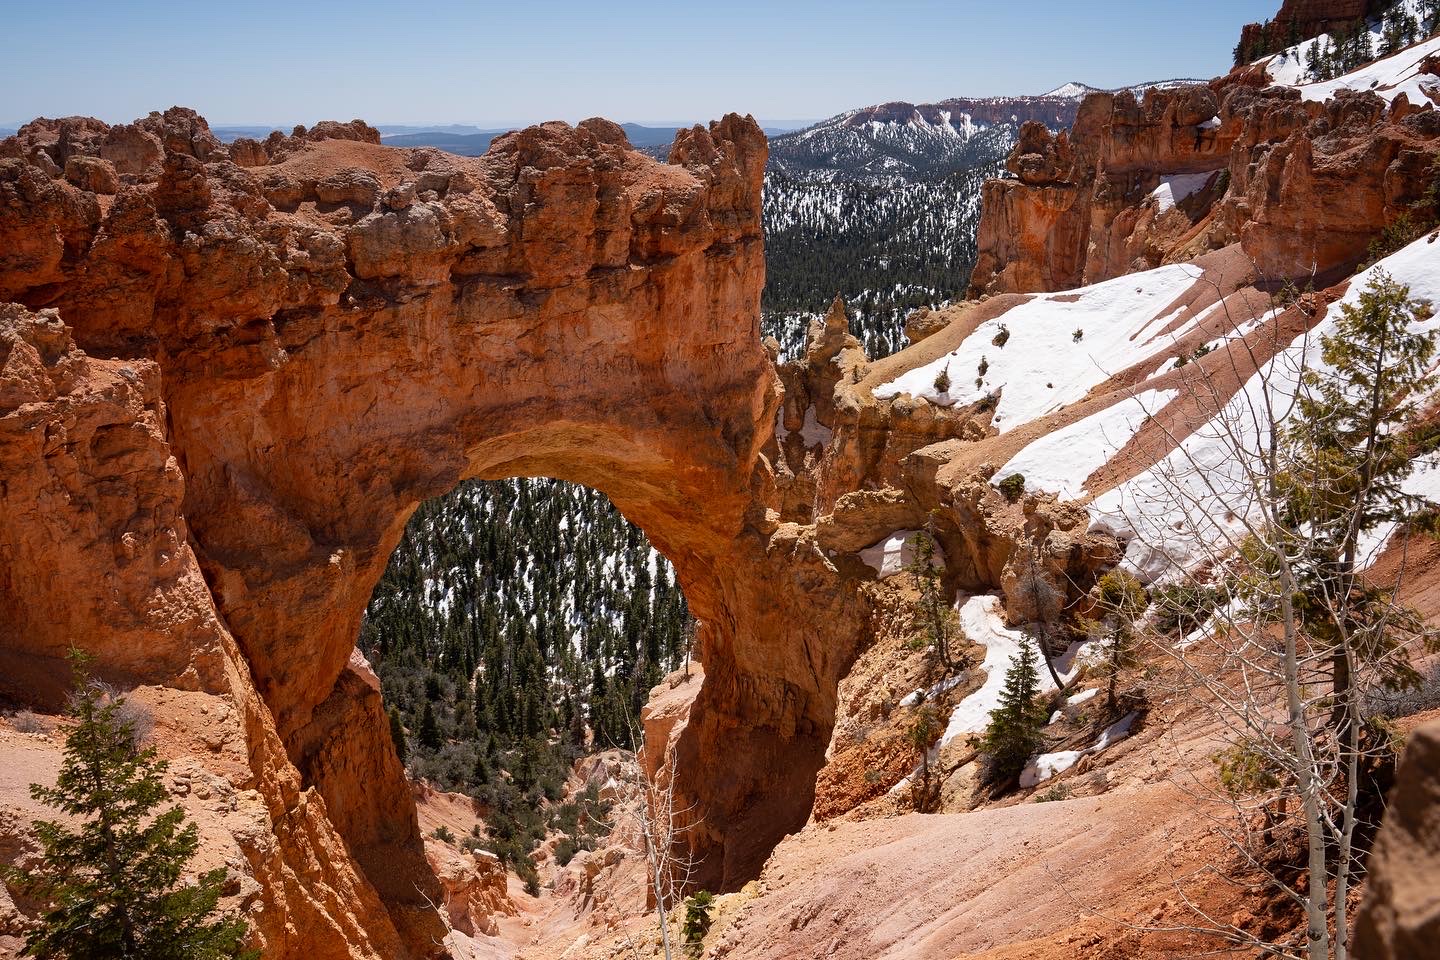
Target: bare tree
pixel 662 828
pixel 1263 511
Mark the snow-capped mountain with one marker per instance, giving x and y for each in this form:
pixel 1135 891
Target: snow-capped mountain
pixel 881 205
pixel 903 137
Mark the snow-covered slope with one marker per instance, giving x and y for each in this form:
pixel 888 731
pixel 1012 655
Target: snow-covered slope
pixel 1198 495
pixel 1390 77
pixel 1396 42
pixel 1054 349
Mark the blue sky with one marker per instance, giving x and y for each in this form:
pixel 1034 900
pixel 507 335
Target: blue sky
pixel 509 63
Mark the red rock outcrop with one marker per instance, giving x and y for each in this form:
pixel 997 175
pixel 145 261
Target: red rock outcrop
pixel 475 895
pixel 1302 19
pixel 1401 916
pixel 328 331
pixel 307 347
pixel 1305 187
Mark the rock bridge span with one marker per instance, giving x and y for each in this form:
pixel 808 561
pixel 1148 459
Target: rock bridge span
pixel 230 373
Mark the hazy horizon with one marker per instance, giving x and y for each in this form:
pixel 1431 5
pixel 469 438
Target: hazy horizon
pixel 495 65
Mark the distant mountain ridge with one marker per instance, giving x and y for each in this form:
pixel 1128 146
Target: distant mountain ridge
pixel 881 205
pixel 902 137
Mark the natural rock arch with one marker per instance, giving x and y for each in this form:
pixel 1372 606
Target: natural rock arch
pixel 312 335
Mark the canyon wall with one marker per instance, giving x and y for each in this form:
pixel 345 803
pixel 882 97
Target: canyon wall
pixel 1137 183
pixel 231 373
pixel 228 374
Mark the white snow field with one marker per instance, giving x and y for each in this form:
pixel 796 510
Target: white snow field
pixel 1043 366
pixel 1048 765
pixel 1388 77
pixel 1060 462
pixel 1396 74
pixel 896 552
pixel 982 618
pixel 1178 511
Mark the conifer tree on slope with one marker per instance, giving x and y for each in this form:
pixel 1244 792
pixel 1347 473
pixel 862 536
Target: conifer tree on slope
pixel 111 873
pixel 1349 454
pixel 1016 726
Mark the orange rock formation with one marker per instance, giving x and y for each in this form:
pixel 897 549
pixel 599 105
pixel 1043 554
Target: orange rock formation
pixel 1304 187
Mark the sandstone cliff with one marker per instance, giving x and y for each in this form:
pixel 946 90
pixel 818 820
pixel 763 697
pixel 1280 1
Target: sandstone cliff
pixel 1303 186
pixel 228 375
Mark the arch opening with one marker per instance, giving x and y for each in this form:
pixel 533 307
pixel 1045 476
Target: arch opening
pixel 520 625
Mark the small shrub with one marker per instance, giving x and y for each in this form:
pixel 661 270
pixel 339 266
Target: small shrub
pixel 942 380
pixel 1061 791
pixel 140 718
pixel 1183 607
pixel 1077 336
pixel 565 851
pixel 984 367
pixel 988 402
pixel 1001 338
pixel 443 834
pixel 1398 234
pixel 1013 487
pixel 27 721
pixel 1391 704
pixel 532 884
pixel 697 921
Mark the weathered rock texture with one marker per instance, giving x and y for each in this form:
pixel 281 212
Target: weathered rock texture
pixel 316 333
pixel 1401 916
pixel 312 334
pixel 225 384
pixel 1305 187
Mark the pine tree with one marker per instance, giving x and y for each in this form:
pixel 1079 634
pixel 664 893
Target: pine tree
pixel 1350 454
pixel 936 617
pixel 111 873
pixel 1016 729
pixel 1313 67
pixel 429 728
pixel 1363 51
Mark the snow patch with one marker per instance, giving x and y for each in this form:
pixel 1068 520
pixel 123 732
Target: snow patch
pixel 982 618
pixel 1042 367
pixel 1048 765
pixel 1060 462
pixel 812 431
pixel 917 697
pixel 896 552
pixel 1177 188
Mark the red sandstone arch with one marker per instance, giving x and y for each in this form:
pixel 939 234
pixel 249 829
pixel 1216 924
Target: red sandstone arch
pixel 313 335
